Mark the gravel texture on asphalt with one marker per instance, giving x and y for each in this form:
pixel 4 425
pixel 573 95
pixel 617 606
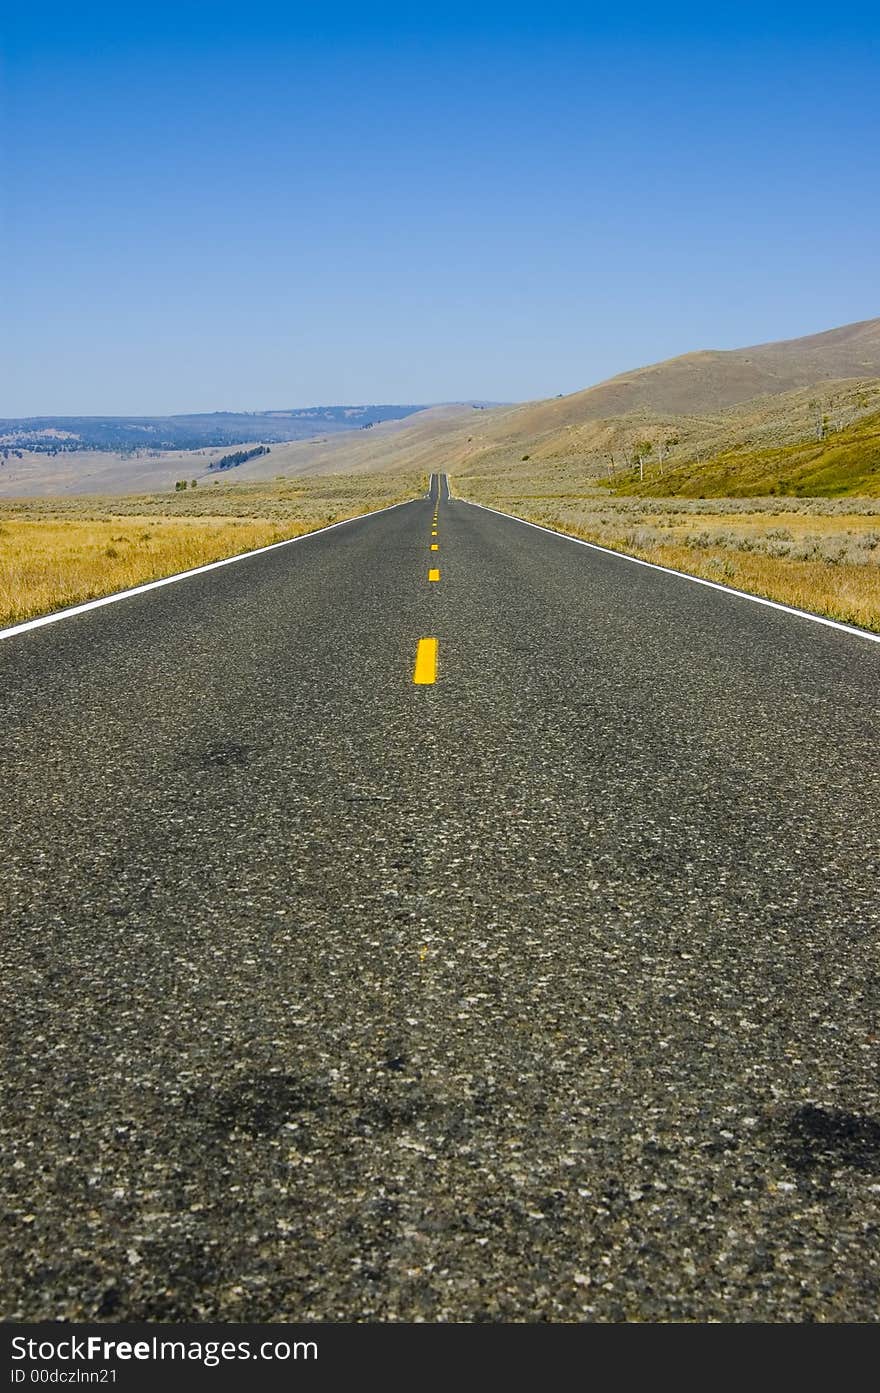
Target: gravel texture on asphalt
pixel 548 992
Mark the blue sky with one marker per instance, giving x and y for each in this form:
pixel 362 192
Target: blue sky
pixel 213 207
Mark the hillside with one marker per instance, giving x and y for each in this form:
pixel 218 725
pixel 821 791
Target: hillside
pixel 672 447
pixel 845 463
pixel 710 380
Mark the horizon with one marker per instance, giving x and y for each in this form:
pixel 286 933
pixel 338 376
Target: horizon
pixel 209 207
pixel 414 406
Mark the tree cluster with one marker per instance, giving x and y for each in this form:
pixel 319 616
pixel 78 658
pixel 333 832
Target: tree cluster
pixel 238 457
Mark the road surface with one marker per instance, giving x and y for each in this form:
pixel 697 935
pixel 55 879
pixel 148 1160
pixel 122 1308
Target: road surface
pixel 544 990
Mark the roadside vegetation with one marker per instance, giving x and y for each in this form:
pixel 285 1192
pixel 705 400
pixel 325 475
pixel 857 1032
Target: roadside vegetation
pixel 818 554
pixel 56 552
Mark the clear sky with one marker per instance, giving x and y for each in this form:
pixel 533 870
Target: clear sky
pixel 240 206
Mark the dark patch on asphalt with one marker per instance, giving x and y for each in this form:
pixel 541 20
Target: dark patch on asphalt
pixel 109 1304
pixel 829 1137
pixel 260 1104
pixel 389 1113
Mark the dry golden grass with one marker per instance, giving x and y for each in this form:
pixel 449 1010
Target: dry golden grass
pixel 50 564
pixel 60 552
pixel 820 555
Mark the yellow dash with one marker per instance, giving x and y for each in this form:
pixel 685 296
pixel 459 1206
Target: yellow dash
pixel 433 575
pixel 435 546
pixel 434 533
pixel 425 671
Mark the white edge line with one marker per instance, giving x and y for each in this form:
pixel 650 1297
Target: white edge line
pixel 60 614
pixel 683 575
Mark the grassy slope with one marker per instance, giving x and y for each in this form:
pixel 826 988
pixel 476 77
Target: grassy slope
pixel 845 464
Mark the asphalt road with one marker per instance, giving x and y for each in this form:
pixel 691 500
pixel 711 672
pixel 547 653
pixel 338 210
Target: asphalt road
pixel 547 991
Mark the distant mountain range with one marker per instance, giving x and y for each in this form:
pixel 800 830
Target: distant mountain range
pixel 65 434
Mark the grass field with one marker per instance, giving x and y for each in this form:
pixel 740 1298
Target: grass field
pixel 818 554
pixel 60 552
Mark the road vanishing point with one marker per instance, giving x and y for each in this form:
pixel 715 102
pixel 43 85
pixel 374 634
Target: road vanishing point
pixel 436 919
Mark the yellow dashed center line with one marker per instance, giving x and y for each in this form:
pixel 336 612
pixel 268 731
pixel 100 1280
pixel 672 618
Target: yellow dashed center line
pixel 425 670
